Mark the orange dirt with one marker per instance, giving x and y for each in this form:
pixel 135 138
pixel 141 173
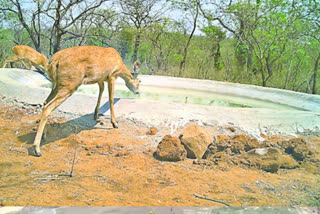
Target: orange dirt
pixel 116 167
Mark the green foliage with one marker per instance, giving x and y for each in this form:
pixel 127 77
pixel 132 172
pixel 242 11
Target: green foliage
pixel 6 38
pixel 125 46
pixel 272 43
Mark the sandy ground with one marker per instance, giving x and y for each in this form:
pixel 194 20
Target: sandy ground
pixel 116 167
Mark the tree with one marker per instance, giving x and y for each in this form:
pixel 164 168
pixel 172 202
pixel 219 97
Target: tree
pixel 63 17
pixel 162 43
pixel 29 19
pixel 59 17
pixel 233 18
pixel 215 35
pixel 264 27
pixel 191 9
pixel 142 15
pixel 106 24
pixel 312 20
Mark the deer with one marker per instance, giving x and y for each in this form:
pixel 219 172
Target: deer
pixel 72 67
pixel 27 54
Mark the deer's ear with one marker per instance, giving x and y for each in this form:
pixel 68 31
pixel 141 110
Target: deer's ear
pixel 136 67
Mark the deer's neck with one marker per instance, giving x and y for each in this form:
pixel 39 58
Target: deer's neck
pixel 126 76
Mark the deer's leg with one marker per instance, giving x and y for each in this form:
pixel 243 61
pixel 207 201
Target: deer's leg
pixel 101 89
pixel 52 94
pixel 111 94
pixel 47 109
pixel 29 64
pixel 24 61
pixel 13 59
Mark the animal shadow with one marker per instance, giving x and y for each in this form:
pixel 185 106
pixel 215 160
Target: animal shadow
pixel 58 131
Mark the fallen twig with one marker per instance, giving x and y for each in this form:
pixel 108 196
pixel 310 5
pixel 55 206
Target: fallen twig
pixel 18 150
pixel 211 199
pixel 74 154
pixel 47 179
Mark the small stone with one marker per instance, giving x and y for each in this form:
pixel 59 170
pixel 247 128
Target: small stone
pixel 152 131
pixel 232 129
pixel 28 164
pixel 261 151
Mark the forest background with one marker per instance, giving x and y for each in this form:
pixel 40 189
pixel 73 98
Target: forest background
pixel 272 43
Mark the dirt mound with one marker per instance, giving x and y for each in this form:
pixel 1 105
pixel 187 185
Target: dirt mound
pixel 240 149
pixel 271 155
pixel 297 147
pixel 170 149
pixel 196 141
pixel 236 144
pixel 267 159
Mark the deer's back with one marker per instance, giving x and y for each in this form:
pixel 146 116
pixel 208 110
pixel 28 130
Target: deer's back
pixel 84 65
pixel 34 56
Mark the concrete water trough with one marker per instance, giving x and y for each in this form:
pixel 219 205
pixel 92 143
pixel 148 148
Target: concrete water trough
pixel 172 101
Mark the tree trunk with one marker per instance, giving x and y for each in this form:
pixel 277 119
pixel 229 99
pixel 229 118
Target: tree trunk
pixel 136 46
pixel 39 28
pixel 263 78
pixel 249 59
pixel 316 66
pixel 217 57
pixel 183 61
pixel 57 45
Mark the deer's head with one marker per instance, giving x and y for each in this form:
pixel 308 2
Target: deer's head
pixel 133 84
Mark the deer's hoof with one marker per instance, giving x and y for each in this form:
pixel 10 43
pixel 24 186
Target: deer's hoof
pixel 115 125
pixel 34 151
pixel 95 116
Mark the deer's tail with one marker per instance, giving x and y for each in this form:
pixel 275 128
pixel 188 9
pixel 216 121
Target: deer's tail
pixel 52 71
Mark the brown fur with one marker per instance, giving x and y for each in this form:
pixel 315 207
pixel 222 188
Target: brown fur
pixel 27 54
pixel 72 67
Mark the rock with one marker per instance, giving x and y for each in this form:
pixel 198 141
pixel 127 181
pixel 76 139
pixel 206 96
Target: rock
pixel 152 131
pixel 297 147
pixel 170 149
pixel 196 141
pixel 267 159
pixel 211 151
